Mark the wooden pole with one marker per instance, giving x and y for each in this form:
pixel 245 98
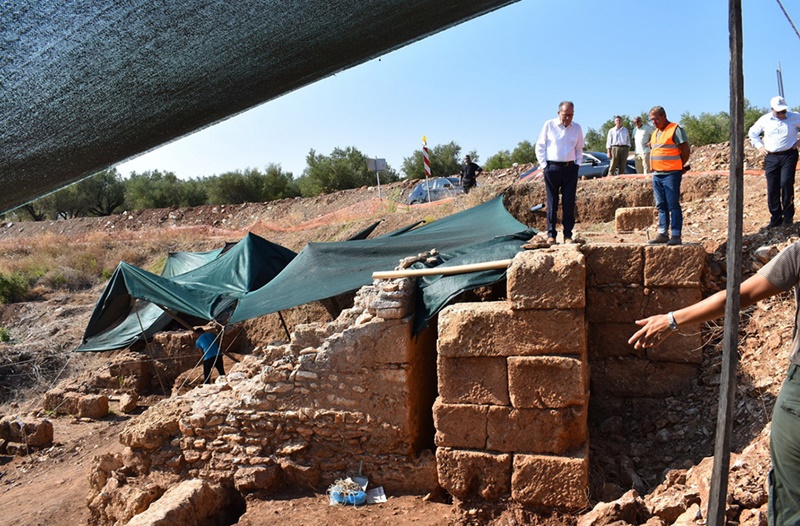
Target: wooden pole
pixel 442 271
pixel 727 385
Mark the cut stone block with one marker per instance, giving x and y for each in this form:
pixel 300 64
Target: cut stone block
pixel 634 218
pixel 460 425
pixel 468 475
pixel 680 266
pixel 547 279
pixel 554 431
pixel 616 303
pixel 610 340
pixel 554 482
pixel 481 380
pixel 493 329
pixel 546 381
pixel 631 377
pixel 614 264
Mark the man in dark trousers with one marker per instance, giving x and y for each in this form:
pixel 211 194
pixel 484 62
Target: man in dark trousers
pixel 212 355
pixel 469 174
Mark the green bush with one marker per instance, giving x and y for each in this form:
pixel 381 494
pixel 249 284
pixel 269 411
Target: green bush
pixel 14 287
pixel 4 335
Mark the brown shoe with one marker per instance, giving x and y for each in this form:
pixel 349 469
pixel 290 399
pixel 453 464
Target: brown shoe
pixel 568 241
pixel 538 241
pixel 551 240
pixel 660 239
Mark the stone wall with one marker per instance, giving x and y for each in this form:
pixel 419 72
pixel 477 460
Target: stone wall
pixel 511 416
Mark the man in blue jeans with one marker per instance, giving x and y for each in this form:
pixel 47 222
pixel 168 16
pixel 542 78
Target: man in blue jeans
pixel 669 153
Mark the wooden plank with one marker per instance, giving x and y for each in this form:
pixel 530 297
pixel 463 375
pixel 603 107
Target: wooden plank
pixel 442 271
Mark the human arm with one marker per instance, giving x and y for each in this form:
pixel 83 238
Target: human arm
pixel 608 142
pixel 655 329
pixel 579 146
pixel 541 147
pixel 755 136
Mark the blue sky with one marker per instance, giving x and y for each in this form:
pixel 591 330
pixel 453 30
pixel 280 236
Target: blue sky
pixel 489 83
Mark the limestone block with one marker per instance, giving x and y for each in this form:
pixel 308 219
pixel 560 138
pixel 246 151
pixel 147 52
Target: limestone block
pixel 190 502
pixel 554 482
pixel 632 377
pixel 61 402
pixel 127 402
pixel 683 346
pixel 257 478
pixel 474 474
pixel 547 279
pixel 621 304
pixel 480 380
pixel 375 342
pixel 614 264
pixel 634 218
pixel 555 431
pixel 93 406
pixel 546 381
pixel 493 329
pixel 460 425
pixel 680 266
pixel 607 340
pixel 27 431
pixel 413 475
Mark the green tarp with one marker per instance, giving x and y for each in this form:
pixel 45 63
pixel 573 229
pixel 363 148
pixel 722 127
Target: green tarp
pixel 130 304
pixel 324 270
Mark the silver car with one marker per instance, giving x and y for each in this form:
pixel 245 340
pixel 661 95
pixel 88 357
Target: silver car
pixel 435 189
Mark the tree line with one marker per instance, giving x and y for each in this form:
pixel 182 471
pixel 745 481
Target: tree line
pixel 107 192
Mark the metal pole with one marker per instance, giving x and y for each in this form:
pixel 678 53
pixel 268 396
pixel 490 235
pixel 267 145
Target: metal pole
pixel 780 80
pixel 727 386
pixel 378 175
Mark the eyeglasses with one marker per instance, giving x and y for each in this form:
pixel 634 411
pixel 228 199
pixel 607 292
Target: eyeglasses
pixel 782 112
pixel 568 114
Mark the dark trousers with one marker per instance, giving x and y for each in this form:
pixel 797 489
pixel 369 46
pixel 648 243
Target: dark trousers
pixel 208 366
pixel 561 180
pixel 779 170
pixel 784 445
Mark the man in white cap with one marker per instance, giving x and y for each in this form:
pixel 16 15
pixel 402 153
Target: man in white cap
pixel 779 146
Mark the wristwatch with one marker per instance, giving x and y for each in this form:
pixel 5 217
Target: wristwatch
pixel 672 323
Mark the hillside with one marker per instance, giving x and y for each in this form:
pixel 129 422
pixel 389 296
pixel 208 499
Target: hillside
pixel 50 486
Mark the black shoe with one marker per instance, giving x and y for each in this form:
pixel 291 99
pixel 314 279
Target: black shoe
pixel 674 241
pixel 787 222
pixel 773 225
pixel 660 239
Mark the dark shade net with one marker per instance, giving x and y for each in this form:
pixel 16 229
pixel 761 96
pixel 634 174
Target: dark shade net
pixel 85 85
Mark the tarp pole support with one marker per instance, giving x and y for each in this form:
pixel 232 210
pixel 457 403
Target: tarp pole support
pixel 727 384
pixel 285 328
pixel 174 317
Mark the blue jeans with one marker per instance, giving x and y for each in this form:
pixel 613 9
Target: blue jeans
pixel 667 193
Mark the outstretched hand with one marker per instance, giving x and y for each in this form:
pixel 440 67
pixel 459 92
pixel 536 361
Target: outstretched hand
pixel 655 330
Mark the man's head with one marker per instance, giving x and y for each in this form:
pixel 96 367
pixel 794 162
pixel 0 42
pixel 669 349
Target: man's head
pixel 467 159
pixel 566 110
pixel 618 121
pixel 658 117
pixel 637 121
pixel 779 107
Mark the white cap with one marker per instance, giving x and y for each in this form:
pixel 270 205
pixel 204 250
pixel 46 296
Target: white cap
pixel 778 104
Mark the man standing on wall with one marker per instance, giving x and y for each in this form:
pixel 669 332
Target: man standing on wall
pixel 618 144
pixel 559 150
pixel 669 153
pixel 779 146
pixel 641 142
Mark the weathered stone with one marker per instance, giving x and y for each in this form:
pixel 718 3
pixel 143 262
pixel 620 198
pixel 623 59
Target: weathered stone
pixel 668 504
pixel 547 279
pixel 618 304
pixel 460 425
pixel 480 380
pixel 610 340
pixel 632 377
pixel 266 478
pixel 683 346
pixel 554 431
pixel 546 381
pixel 634 218
pixel 127 402
pixel 190 502
pixel 629 509
pixel 27 431
pixel 614 264
pixel 492 329
pixel 554 482
pixel 468 475
pixel 93 406
pixel 156 426
pixel 680 266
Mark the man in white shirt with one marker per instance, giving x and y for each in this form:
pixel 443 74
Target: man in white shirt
pixel 559 150
pixel 779 146
pixel 641 142
pixel 618 144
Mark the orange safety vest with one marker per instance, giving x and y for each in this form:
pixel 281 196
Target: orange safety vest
pixel 665 156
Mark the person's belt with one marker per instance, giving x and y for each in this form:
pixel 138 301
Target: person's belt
pixel 784 152
pixel 561 163
pixel 620 146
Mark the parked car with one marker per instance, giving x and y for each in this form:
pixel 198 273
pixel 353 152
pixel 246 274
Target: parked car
pixel 435 189
pixel 595 164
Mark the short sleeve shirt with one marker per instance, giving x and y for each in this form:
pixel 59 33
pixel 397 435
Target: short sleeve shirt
pixel 784 272
pixel 206 342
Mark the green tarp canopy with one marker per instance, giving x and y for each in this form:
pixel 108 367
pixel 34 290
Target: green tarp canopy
pixel 131 304
pixel 324 270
